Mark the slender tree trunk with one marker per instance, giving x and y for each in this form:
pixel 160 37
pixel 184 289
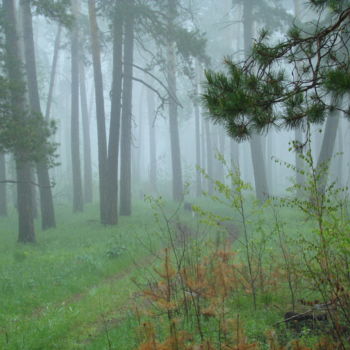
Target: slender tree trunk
pixel 125 165
pixel 100 113
pixel 261 187
pixel 209 151
pixel 26 233
pixel 177 181
pixel 86 136
pixel 114 130
pixel 197 134
pixel 46 200
pixel 3 190
pixel 152 141
pixel 78 203
pixel 53 72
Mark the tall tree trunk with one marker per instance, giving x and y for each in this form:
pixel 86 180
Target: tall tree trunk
pixel 261 187
pixel 114 130
pixel 26 233
pixel 86 136
pixel 125 159
pixel 177 182
pixel 53 72
pixel 152 141
pixel 100 112
pixel 3 190
pixel 78 203
pixel 46 200
pixel 197 133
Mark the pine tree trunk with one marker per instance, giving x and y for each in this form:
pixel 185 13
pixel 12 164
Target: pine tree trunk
pixel 100 113
pixel 125 159
pixel 53 72
pixel 26 233
pixel 86 136
pixel 78 204
pixel 46 200
pixel 114 130
pixel 197 134
pixel 261 187
pixel 152 141
pixel 177 182
pixel 3 190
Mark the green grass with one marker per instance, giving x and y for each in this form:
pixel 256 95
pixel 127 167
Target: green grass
pixel 53 294
pixel 74 289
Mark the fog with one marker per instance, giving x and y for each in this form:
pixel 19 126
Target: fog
pixel 186 153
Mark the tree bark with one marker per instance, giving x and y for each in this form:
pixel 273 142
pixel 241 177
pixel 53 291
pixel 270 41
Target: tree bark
pixel 78 204
pixel 261 187
pixel 3 189
pixel 152 141
pixel 86 136
pixel 114 130
pixel 46 201
pixel 125 159
pixel 26 232
pixel 100 112
pixel 53 72
pixel 177 182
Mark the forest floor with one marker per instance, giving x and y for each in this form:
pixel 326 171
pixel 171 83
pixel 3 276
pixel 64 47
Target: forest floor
pixel 81 285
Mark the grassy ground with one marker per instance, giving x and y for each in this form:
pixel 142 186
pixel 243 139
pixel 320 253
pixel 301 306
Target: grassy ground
pixel 59 293
pixel 75 288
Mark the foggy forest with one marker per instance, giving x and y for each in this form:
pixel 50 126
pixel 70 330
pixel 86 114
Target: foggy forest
pixel 174 174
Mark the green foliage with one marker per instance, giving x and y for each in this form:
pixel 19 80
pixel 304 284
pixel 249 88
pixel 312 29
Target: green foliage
pixel 256 94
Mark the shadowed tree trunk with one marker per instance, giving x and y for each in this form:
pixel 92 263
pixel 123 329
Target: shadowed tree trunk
pixel 261 187
pixel 177 181
pixel 100 112
pixel 152 141
pixel 114 130
pixel 53 72
pixel 86 136
pixel 46 200
pixel 125 147
pixel 78 204
pixel 26 233
pixel 3 191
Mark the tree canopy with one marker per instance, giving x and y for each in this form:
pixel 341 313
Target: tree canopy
pixel 301 78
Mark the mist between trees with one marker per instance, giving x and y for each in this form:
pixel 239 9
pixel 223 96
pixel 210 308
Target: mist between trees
pixel 111 103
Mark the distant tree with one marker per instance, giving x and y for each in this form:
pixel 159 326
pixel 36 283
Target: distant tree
pixel 3 189
pixel 261 92
pixel 78 203
pixel 86 135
